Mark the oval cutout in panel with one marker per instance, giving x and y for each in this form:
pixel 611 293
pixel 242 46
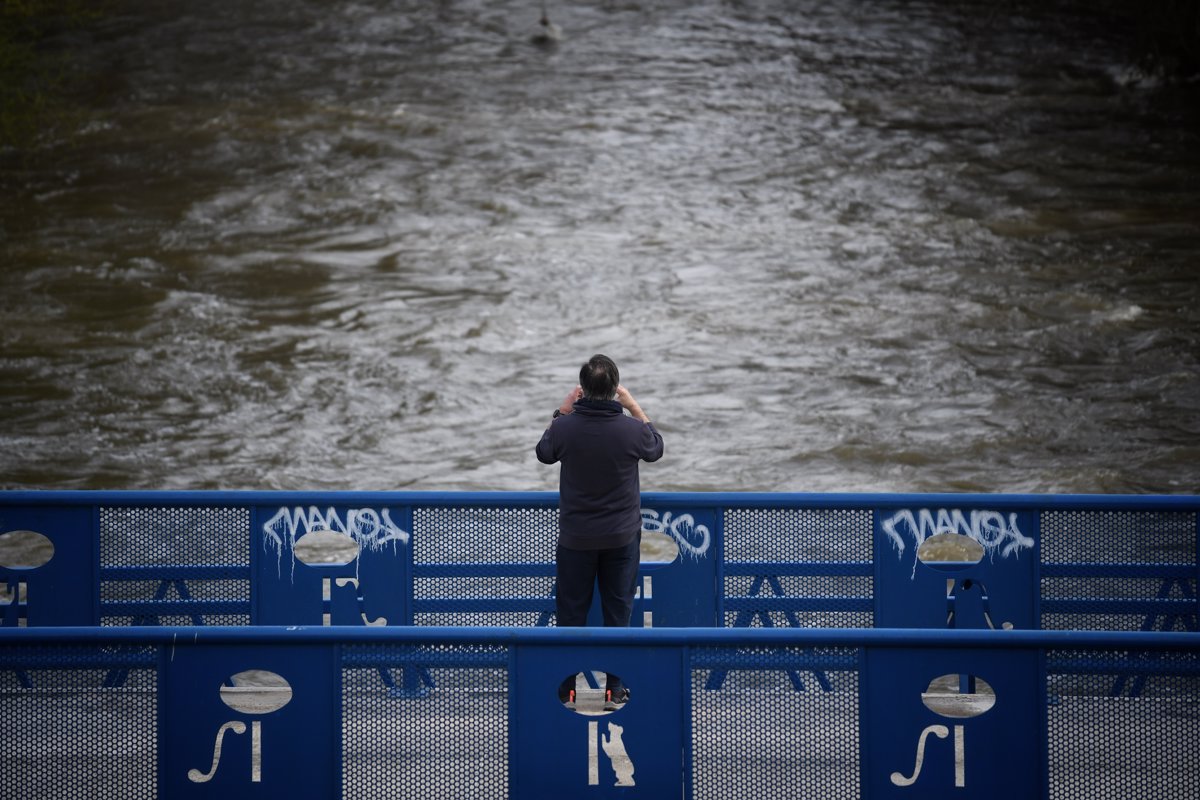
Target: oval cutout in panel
pixel 950 551
pixel 945 696
pixel 576 693
pixel 326 548
pixel 25 549
pixel 256 691
pixel 658 548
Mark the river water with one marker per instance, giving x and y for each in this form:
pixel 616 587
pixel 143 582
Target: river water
pixel 834 246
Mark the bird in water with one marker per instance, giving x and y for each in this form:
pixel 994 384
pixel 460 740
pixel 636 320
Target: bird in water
pixel 547 34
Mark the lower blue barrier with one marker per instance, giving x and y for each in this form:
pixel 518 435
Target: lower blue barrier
pixel 436 712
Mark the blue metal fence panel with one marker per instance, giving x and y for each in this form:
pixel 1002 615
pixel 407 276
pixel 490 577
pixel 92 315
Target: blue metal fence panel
pixel 173 563
pixel 1131 568
pixel 371 588
pixel 475 564
pixel 681 593
pixel 242 712
pixel 247 721
pixel 50 577
pixel 563 752
pixel 797 563
pixel 940 721
pixel 996 592
pixel 745 560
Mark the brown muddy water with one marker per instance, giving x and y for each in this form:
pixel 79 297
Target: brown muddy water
pixel 897 246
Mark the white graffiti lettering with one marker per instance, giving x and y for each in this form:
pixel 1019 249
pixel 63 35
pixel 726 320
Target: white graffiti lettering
pixel 989 528
pixel 693 539
pixel 372 530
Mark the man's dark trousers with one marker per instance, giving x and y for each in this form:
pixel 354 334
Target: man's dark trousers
pixel 577 572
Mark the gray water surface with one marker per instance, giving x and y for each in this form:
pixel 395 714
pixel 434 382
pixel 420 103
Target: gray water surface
pixel 897 246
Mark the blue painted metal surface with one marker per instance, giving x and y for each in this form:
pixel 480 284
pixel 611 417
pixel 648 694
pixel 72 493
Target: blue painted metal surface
pixel 762 676
pixel 225 739
pixel 494 729
pixel 761 560
pixel 372 589
pixel 60 591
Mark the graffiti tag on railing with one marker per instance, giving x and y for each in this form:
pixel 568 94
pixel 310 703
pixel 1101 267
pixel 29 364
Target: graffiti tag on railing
pixel 372 530
pixel 996 534
pixel 693 539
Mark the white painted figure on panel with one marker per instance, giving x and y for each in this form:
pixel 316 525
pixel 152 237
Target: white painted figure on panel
pixel 614 748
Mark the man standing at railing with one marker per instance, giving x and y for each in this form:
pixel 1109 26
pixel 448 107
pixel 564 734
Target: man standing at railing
pixel 599 507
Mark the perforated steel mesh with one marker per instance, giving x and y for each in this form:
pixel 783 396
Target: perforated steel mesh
pixel 1104 541
pixel 433 724
pixel 766 536
pixel 175 537
pixel 1117 732
pixel 67 732
pixel 756 735
pixel 464 536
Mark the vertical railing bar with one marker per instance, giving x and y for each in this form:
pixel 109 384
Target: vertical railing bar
pixel 1044 721
pixel 95 545
pixel 161 687
pixel 719 589
pixel 408 607
pixel 339 714
pixel 1196 557
pixel 863 720
pixel 1037 568
pixel 514 783
pixel 686 713
pixel 254 545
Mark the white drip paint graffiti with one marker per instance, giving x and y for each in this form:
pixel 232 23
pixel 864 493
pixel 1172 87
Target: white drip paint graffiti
pixel 370 529
pixel 995 533
pixel 692 539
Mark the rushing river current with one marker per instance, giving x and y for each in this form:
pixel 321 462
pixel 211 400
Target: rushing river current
pixel 833 246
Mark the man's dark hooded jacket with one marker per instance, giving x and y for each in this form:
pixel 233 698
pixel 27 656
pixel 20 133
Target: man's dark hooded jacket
pixel 600 502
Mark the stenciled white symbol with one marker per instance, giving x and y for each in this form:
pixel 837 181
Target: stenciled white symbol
pixel 237 726
pixel 614 747
pixel 272 694
pixel 14 596
pixel 693 539
pixel 327 594
pixel 20 551
pixel 940 731
pixel 974 696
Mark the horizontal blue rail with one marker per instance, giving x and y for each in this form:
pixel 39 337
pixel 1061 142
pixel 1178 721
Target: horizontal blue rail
pixel 750 500
pixel 614 637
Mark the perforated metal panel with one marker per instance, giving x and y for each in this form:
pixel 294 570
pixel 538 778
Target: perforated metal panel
pixel 483 536
pixel 68 733
pixel 428 722
pixel 771 728
pixel 1116 731
pixel 146 555
pixel 770 537
pixel 1091 559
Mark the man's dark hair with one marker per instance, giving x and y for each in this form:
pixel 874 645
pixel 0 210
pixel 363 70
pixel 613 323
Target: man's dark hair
pixel 599 378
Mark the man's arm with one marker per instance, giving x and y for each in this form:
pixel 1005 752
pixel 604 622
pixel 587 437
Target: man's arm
pixel 568 403
pixel 631 405
pixel 545 447
pixel 652 443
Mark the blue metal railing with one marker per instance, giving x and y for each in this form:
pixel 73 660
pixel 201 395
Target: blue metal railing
pixel 800 648
pixel 134 558
pixel 491 725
